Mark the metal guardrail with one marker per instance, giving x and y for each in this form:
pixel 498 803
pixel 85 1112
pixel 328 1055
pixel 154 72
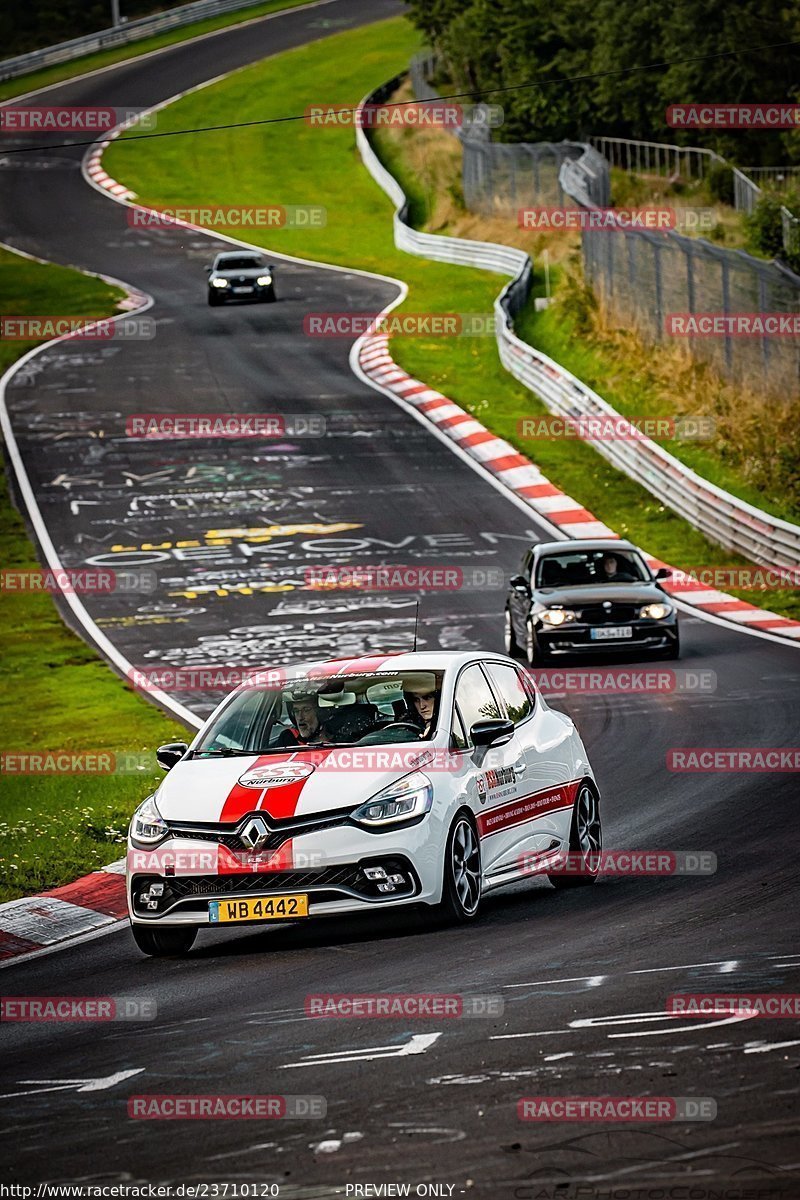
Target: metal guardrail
pixel 119 35
pixel 724 518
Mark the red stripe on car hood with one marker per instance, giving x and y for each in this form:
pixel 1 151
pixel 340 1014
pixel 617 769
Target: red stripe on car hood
pixel 277 802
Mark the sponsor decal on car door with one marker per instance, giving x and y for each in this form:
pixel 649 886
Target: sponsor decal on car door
pixel 535 815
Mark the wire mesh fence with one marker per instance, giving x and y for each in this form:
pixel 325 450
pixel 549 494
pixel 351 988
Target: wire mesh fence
pixel 647 279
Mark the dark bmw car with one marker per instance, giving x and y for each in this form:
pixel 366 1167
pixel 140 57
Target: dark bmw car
pixel 239 276
pixel 588 597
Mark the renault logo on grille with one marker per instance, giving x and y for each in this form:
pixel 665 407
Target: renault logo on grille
pixel 254 832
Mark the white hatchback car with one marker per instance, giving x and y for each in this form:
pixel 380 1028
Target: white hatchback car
pixel 423 778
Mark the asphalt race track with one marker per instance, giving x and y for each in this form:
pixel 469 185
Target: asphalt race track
pixel 584 976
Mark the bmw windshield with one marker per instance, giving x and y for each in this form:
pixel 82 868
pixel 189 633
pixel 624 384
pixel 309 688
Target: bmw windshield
pixel 375 709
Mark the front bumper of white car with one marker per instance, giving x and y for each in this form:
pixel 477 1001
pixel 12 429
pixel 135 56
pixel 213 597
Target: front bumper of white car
pixel 342 870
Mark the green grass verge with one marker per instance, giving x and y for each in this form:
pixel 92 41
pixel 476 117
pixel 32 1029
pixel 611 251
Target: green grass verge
pixel 105 58
pixel 295 163
pixel 57 693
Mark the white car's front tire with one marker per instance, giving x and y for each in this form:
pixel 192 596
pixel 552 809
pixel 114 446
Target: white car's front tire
pixel 164 943
pixel 462 889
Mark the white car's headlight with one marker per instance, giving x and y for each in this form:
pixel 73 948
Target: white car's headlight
pixel 656 611
pixel 406 800
pixel 219 282
pixel 264 280
pixel 147 825
pixel 557 616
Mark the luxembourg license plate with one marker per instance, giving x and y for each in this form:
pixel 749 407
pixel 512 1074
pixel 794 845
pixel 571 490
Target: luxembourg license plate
pixel 610 632
pixel 258 908
pixel 242 290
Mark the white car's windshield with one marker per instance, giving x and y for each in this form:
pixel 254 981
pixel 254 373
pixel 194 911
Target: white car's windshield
pixel 590 567
pixel 373 709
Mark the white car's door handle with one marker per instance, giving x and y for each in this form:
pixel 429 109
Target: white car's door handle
pixel 520 767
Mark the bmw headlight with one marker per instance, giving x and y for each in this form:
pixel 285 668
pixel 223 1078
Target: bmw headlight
pixel 406 800
pixel 220 283
pixel 656 611
pixel 264 280
pixel 147 825
pixel 557 616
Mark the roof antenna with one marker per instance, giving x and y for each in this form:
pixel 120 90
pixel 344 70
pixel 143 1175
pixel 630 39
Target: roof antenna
pixel 416 626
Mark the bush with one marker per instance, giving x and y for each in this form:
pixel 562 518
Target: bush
pixel 720 183
pixel 764 226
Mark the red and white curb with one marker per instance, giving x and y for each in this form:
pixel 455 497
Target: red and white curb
pixel 522 477
pixel 94 169
pixel 35 923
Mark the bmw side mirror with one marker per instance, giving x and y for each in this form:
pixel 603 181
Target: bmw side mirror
pixel 170 754
pixel 208 270
pixel 494 732
pixel 519 583
pixel 663 573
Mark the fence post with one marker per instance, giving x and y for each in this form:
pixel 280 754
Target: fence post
pixel 726 308
pixel 659 313
pixel 763 301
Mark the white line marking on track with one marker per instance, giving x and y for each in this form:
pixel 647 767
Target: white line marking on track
pixel 419 1043
pixel 765 1047
pixel 78 1085
pixel 590 980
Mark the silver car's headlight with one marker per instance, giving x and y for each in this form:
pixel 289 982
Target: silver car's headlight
pixel 147 825
pixel 219 283
pixel 656 611
pixel 556 616
pixel 406 800
pixel 264 280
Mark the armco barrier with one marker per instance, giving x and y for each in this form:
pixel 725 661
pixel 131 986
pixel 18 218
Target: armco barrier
pixel 724 518
pixel 119 35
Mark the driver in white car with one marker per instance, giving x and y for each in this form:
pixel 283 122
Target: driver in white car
pixel 308 729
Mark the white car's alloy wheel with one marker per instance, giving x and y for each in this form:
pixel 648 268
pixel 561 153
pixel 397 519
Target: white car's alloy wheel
pixel 464 866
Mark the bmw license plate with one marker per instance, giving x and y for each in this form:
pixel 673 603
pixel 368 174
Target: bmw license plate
pixel 610 632
pixel 240 291
pixel 258 908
